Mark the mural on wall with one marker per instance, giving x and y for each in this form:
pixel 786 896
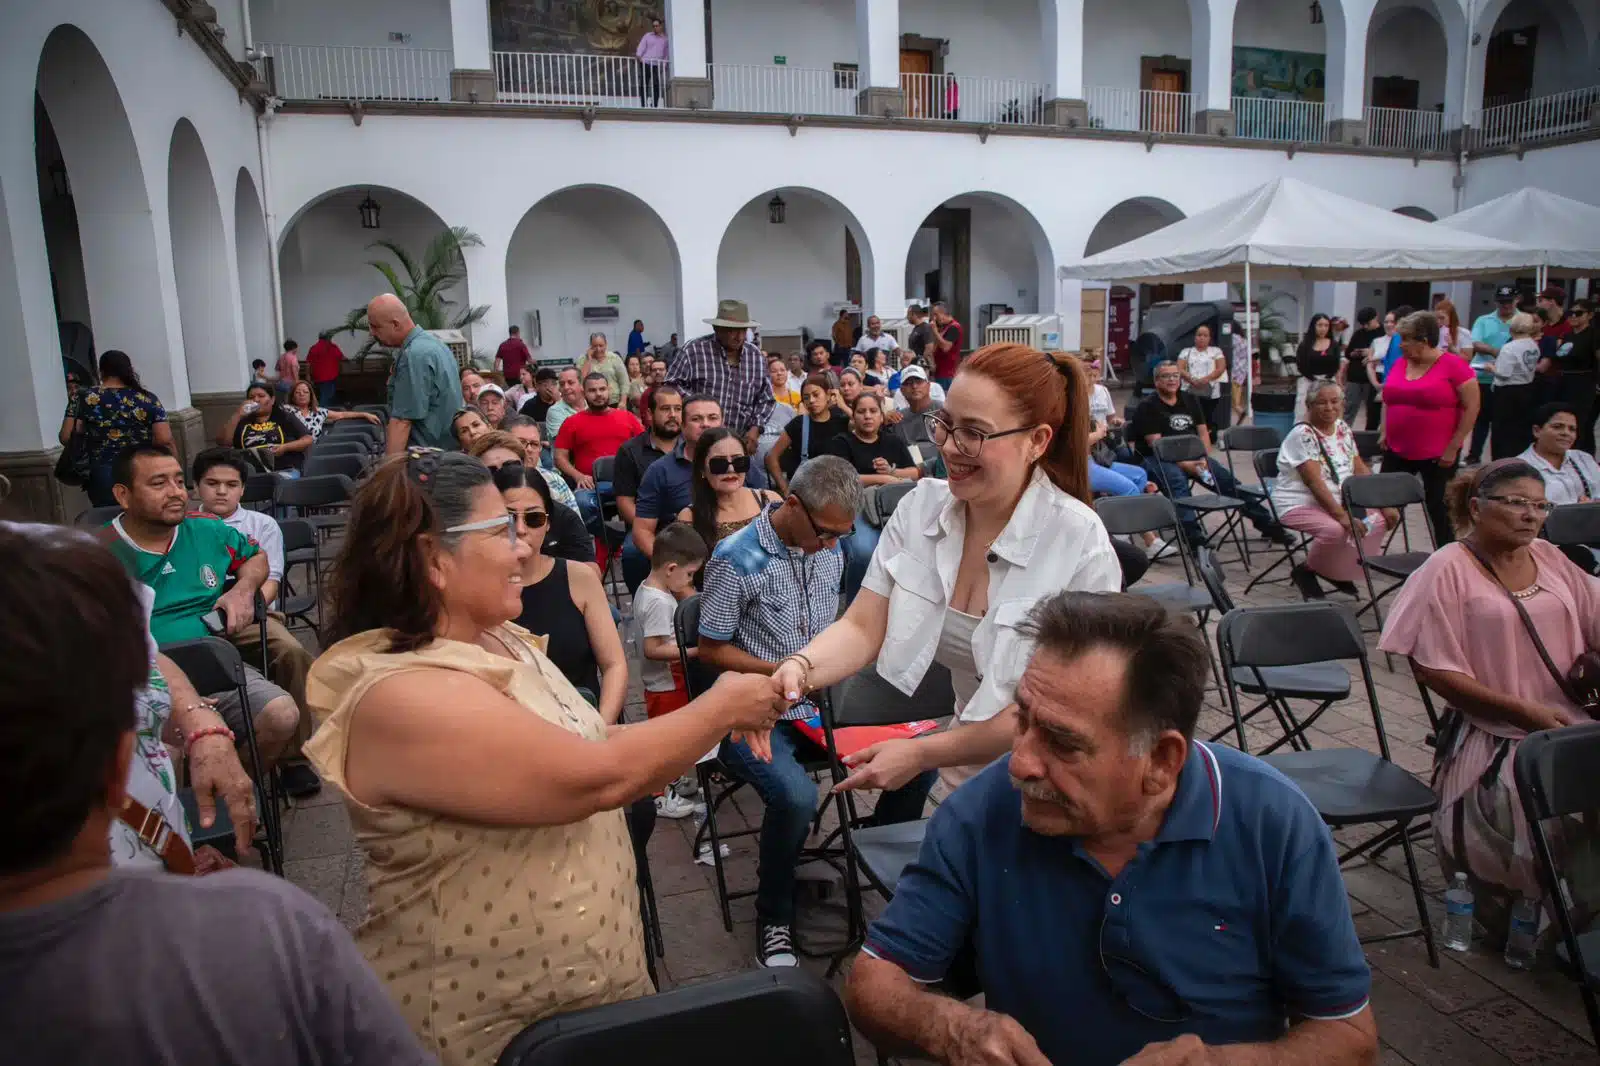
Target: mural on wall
pixel 1276 74
pixel 588 27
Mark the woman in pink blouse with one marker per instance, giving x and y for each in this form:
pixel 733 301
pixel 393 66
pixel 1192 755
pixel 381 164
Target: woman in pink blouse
pixel 1457 622
pixel 1430 400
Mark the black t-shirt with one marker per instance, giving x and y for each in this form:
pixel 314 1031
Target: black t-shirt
pixel 822 433
pixel 633 459
pixel 1167 420
pixel 1580 357
pixel 280 427
pixel 921 337
pixel 861 454
pixel 1360 343
pixel 1314 364
pixel 536 408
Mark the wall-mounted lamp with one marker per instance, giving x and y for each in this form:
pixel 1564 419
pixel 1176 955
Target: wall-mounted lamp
pixel 776 210
pixel 369 209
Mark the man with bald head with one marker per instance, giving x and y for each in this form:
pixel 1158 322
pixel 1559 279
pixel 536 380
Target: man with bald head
pixel 425 389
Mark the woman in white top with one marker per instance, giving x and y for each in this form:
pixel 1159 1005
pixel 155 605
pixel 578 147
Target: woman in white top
pixel 1316 457
pixel 1515 393
pixel 1204 368
pixel 963 561
pixel 1571 475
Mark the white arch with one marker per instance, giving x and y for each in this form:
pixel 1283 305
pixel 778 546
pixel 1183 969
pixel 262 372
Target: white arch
pixel 1451 22
pixel 1421 214
pixel 1579 23
pixel 1130 220
pixel 1042 285
pixel 201 267
pixel 251 249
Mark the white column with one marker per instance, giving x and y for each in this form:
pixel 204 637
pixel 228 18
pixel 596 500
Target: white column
pixel 1211 63
pixel 1346 30
pixel 30 350
pixel 469 34
pixel 1062 23
pixel 697 282
pixel 686 34
pixel 878 43
pixel 486 284
pixel 1069 305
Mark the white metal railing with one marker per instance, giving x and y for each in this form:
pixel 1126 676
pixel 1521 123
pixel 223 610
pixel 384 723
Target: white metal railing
pixel 1147 110
pixel 357 72
pixel 1278 120
pixel 571 79
pixel 1536 119
pixel 1404 127
pixel 963 98
pixel 779 90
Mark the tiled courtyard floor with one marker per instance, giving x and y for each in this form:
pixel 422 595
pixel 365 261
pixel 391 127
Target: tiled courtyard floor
pixel 1472 1011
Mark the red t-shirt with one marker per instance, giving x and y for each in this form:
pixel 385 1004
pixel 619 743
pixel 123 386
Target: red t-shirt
pixel 324 358
pixel 513 355
pixel 945 363
pixel 1557 329
pixel 588 436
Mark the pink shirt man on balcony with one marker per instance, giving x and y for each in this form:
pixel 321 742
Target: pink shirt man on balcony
pixel 653 48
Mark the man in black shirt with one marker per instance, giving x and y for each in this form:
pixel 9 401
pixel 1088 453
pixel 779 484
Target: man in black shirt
pixel 1358 391
pixel 921 335
pixel 1576 357
pixel 547 383
pixel 635 457
pixel 1170 412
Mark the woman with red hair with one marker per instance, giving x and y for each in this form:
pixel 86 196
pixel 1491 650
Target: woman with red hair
pixel 963 560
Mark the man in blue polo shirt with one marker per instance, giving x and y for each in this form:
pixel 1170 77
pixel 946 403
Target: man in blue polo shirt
pixel 1129 894
pixel 667 486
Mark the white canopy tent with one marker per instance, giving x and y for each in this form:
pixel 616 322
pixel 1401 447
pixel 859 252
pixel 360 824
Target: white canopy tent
pixel 1289 230
pixel 1564 233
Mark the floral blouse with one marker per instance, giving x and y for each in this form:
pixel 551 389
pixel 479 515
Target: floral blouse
pixel 313 421
pixel 115 418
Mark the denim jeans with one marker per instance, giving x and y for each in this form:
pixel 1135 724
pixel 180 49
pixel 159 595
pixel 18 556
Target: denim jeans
pixel 790 796
pixel 1118 479
pixel 635 567
pixel 589 506
pixel 325 392
pixel 1171 479
pixel 858 546
pixel 99 485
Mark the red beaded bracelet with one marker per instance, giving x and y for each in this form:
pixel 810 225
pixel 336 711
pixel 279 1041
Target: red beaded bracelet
pixel 207 731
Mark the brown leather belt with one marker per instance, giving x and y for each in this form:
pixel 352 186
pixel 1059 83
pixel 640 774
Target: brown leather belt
pixel 151 828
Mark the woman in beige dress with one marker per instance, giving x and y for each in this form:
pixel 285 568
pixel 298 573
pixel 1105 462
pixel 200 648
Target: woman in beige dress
pixel 485 792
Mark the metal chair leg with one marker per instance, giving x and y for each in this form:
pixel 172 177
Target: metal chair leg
pixel 1416 892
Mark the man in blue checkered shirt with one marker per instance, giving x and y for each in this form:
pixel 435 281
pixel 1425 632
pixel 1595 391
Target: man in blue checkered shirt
pixel 768 590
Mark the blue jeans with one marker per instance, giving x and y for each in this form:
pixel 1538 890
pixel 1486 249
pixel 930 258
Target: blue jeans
pixel 325 392
pixel 858 546
pixel 589 505
pixel 1171 479
pixel 635 567
pixel 99 485
pixel 1118 479
pixel 790 796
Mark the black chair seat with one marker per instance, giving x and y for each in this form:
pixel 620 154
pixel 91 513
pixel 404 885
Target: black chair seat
pixel 299 555
pixel 219 836
pixel 1400 564
pixel 886 850
pixel 1176 596
pixel 1210 502
pixel 1589 944
pixel 1254 492
pixel 1353 786
pixel 293 606
pixel 1311 681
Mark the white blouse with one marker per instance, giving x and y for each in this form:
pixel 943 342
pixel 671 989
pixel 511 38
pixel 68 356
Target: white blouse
pixel 1054 542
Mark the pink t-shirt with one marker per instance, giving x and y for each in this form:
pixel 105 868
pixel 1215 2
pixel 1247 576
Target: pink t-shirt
pixel 1420 416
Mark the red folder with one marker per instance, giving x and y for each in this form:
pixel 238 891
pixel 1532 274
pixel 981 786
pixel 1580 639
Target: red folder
pixel 852 739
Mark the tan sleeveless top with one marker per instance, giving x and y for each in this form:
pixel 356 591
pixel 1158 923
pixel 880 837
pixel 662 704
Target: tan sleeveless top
pixel 480 930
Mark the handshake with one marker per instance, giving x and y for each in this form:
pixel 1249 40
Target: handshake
pixel 753 703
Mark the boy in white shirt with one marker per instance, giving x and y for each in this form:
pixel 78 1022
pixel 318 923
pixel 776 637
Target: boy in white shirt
pixel 219 478
pixel 677 556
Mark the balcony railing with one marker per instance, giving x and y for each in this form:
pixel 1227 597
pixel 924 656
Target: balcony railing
pixel 1537 119
pixel 1279 120
pixel 959 98
pixel 573 80
pixel 354 72
pixel 782 90
pixel 1403 127
pixel 1144 110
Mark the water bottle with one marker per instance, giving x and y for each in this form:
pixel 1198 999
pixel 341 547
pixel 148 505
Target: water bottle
pixel 1458 915
pixel 1206 479
pixel 1370 521
pixel 1524 934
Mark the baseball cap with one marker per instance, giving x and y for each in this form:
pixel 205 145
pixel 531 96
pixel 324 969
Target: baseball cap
pixel 913 373
pixel 492 387
pixel 1554 292
pixel 1505 294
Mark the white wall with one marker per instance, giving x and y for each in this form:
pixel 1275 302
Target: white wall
pixel 364 22
pixel 807 33
pixel 1119 33
pixel 1284 24
pixel 1566 169
pixel 788 273
pixel 577 248
pixel 1004 269
pixel 1394 48
pixel 922 257
pixel 995 39
pixel 324 259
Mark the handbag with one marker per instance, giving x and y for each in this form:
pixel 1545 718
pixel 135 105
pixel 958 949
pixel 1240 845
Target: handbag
pixel 72 467
pixel 1581 683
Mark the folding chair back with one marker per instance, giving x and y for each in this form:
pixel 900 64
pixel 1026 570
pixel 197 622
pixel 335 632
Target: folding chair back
pixel 865 699
pixel 322 490
pixel 1376 491
pixel 95 517
pixel 350 428
pixel 1211 573
pixel 319 464
pixel 792 1016
pixel 878 503
pixel 1265 462
pixel 1291 635
pixel 1574 523
pixel 1182 448
pixel 340 446
pixel 1367 443
pixel 1148 512
pixel 1251 438
pixel 697 676
pixel 604 468
pixel 259 489
pixel 211 664
pixel 379 409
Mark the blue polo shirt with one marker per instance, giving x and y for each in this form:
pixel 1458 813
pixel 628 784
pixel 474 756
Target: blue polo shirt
pixel 1234 919
pixel 667 487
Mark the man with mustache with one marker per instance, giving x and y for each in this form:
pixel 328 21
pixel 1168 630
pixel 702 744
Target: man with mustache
pixel 1131 895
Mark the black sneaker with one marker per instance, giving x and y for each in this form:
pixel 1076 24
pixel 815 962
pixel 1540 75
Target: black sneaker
pixel 299 780
pixel 1306 582
pixel 775 947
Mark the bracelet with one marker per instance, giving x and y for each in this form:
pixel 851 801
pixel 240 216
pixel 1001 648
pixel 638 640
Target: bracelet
pixel 207 731
pixel 805 677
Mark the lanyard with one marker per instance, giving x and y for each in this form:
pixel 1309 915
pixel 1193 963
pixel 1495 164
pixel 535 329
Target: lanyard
pixel 802 574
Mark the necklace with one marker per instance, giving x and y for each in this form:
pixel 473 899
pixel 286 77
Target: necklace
pixel 1528 593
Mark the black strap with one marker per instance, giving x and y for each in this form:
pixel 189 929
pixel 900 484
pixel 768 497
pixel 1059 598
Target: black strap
pixel 1588 490
pixel 1327 460
pixel 1527 623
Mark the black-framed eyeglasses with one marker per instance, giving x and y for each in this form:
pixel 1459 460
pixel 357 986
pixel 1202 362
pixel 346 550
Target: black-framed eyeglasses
pixel 718 465
pixel 969 441
pixel 1522 503
pixel 530 518
pixel 1145 992
pixel 827 536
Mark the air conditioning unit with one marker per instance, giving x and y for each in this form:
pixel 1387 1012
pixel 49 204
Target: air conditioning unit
pixel 458 344
pixel 899 329
pixel 1036 331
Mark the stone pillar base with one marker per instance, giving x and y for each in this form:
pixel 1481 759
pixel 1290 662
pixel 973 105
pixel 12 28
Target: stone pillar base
pixel 1351 131
pixel 880 101
pixel 188 435
pixel 1594 116
pixel 472 86
pixel 36 495
pixel 694 93
pixel 1074 114
pixel 215 409
pixel 1213 123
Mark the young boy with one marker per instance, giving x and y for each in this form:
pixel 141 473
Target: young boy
pixel 677 556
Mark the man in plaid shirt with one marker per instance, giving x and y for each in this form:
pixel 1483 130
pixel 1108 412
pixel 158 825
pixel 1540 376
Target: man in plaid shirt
pixel 730 369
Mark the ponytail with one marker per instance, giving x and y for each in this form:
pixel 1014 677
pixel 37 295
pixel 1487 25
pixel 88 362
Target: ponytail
pixel 1048 389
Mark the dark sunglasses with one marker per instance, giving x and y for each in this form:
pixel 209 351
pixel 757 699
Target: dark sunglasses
pixel 721 464
pixel 530 518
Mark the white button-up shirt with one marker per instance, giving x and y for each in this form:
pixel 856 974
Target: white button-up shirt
pixel 1578 478
pixel 1053 542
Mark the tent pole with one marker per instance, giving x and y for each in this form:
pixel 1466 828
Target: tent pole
pixel 1250 347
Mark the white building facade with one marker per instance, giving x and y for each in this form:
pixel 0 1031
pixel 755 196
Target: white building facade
pixel 183 181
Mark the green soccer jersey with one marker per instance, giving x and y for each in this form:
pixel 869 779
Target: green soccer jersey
pixel 188 577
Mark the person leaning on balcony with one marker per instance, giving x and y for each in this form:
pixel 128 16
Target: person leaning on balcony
pixel 652 56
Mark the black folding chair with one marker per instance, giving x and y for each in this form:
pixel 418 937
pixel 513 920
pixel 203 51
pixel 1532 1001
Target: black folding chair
pixel 1555 773
pixel 379 409
pixel 351 427
pixel 259 490
pixel 213 665
pixel 300 547
pixel 613 528
pixel 1348 786
pixel 792 1016
pixel 1367 444
pixel 1265 462
pixel 1575 529
pixel 95 517
pixel 340 446
pixel 1184 448
pixel 1154 513
pixel 321 464
pixel 878 502
pixel 1375 492
pixel 881 852
pixel 323 500
pixel 1250 439
pixel 1275 686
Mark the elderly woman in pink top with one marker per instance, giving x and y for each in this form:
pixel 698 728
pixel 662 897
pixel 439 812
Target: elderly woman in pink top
pixel 1430 400
pixel 652 56
pixel 1460 621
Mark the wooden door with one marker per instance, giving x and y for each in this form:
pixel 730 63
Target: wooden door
pixel 1508 66
pixel 1395 92
pixel 919 91
pixel 1164 114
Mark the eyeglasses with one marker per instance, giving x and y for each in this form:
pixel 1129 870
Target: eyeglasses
pixel 721 464
pixel 489 525
pixel 530 518
pixel 827 536
pixel 1522 503
pixel 969 441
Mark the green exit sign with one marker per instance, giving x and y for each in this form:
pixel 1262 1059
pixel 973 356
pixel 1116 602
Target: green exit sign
pixel 781 61
pixel 613 299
